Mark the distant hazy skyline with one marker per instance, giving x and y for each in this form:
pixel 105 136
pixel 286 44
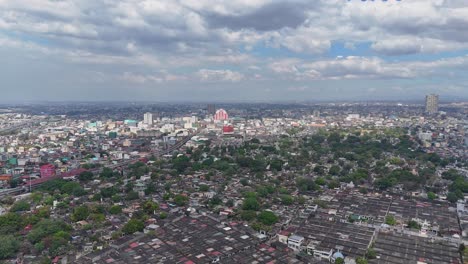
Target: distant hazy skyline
pixel 200 50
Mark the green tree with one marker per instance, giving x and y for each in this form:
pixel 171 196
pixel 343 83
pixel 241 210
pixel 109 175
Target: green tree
pixel 80 213
pixel 334 170
pixel 107 173
pixel 20 206
pixel 181 163
pixel 251 203
pixel 390 220
pixel 276 164
pixel 132 226
pixel 149 207
pixel 339 261
pixel 98 218
pixel 334 138
pixel 8 246
pixel 255 141
pixel 132 195
pixel 306 184
pixel 451 174
pixel 204 188
pixel 10 223
pixel 371 254
pixel 115 209
pixel 262 191
pixel 72 188
pixel 286 199
pixel 361 260
pixel 301 200
pixel 230 203
pixel 43 212
pixel 85 176
pixel 51 186
pixel 62 234
pixel 321 203
pixel 14 183
pixel 162 215
pixel 320 181
pixel 320 170
pixel 333 184
pixel 244 181
pixel 45 228
pixel 108 192
pixel 431 196
pixel 36 197
pixel 248 215
pixel 216 200
pixel 181 200
pixel 57 245
pixel 267 218
pixel 116 235
pixel 385 183
pixel 258 164
pixel 452 197
pixel 151 188
pixel 414 225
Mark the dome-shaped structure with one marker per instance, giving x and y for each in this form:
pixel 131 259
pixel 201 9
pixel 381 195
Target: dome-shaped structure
pixel 337 255
pixel 221 114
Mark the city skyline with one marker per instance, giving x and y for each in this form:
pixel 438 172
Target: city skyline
pixel 261 50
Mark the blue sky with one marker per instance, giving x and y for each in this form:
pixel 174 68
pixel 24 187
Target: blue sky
pixel 212 50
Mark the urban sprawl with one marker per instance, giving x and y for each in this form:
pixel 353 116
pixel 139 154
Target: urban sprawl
pixel 259 183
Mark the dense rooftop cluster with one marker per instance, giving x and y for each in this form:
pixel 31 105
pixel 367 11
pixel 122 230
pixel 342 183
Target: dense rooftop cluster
pixel 297 185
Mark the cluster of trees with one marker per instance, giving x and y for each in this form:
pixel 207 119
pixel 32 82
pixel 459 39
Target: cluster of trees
pixel 108 173
pixel 306 184
pixel 10 224
pixel 458 187
pixel 261 220
pixel 9 245
pixel 353 157
pixel 85 176
pixel 138 169
pixel 52 235
pixel 400 176
pixel 19 206
pixel 181 200
pixel 132 226
pixel 267 218
pixel 63 187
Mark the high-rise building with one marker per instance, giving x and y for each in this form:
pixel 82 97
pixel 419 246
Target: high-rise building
pixel 148 118
pixel 211 109
pixel 432 103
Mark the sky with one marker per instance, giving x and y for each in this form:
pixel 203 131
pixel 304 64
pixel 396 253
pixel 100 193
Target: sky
pixel 236 50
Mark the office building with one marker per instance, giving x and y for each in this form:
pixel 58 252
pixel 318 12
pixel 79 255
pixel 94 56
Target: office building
pixel 148 118
pixel 432 103
pixel 211 109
